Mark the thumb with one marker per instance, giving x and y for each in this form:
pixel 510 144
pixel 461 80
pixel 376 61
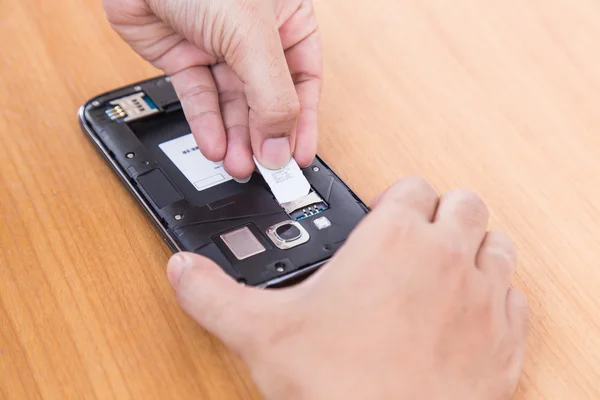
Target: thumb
pixel 214 300
pixel 259 61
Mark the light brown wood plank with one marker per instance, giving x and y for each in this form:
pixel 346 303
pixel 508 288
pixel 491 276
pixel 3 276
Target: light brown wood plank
pixel 497 96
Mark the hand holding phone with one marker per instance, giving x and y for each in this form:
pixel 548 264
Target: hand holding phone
pixel 416 305
pixel 248 73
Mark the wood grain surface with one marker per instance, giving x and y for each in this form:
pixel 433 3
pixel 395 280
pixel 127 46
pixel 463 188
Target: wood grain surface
pixel 498 96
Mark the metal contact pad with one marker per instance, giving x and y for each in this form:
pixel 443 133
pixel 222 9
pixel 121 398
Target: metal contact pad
pixel 242 243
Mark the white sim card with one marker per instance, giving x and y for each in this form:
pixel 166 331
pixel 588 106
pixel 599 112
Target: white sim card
pixel 288 183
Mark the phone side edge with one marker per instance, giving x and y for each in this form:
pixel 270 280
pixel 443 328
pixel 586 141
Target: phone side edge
pixel 167 237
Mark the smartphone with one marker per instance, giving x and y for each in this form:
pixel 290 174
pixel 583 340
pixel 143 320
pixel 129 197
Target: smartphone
pixel 142 133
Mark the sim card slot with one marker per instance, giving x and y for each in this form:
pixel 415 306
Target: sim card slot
pixel 305 206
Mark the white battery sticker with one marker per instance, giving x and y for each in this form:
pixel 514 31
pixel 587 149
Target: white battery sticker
pixel 201 172
pixel 288 183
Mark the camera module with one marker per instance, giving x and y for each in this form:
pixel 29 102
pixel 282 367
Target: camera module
pixel 287 234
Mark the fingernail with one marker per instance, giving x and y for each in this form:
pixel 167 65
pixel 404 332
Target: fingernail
pixel 243 180
pixel 177 264
pixel 276 152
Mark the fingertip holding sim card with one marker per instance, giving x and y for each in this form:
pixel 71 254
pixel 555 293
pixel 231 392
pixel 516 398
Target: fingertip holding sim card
pixel 270 230
pixel 287 183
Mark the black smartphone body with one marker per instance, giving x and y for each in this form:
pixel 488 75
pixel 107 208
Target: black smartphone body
pixel 143 134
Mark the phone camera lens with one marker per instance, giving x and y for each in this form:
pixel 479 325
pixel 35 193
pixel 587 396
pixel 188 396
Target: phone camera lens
pixel 288 232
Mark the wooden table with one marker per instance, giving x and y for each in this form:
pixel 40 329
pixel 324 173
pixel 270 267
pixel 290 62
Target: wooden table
pixel 499 96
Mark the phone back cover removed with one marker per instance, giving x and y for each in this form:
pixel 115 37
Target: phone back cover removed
pixel 144 135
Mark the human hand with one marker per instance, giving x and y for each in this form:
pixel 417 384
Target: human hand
pixel 416 305
pixel 247 72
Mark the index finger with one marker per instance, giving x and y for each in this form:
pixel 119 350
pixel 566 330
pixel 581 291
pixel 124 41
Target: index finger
pixel 301 41
pixel 305 63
